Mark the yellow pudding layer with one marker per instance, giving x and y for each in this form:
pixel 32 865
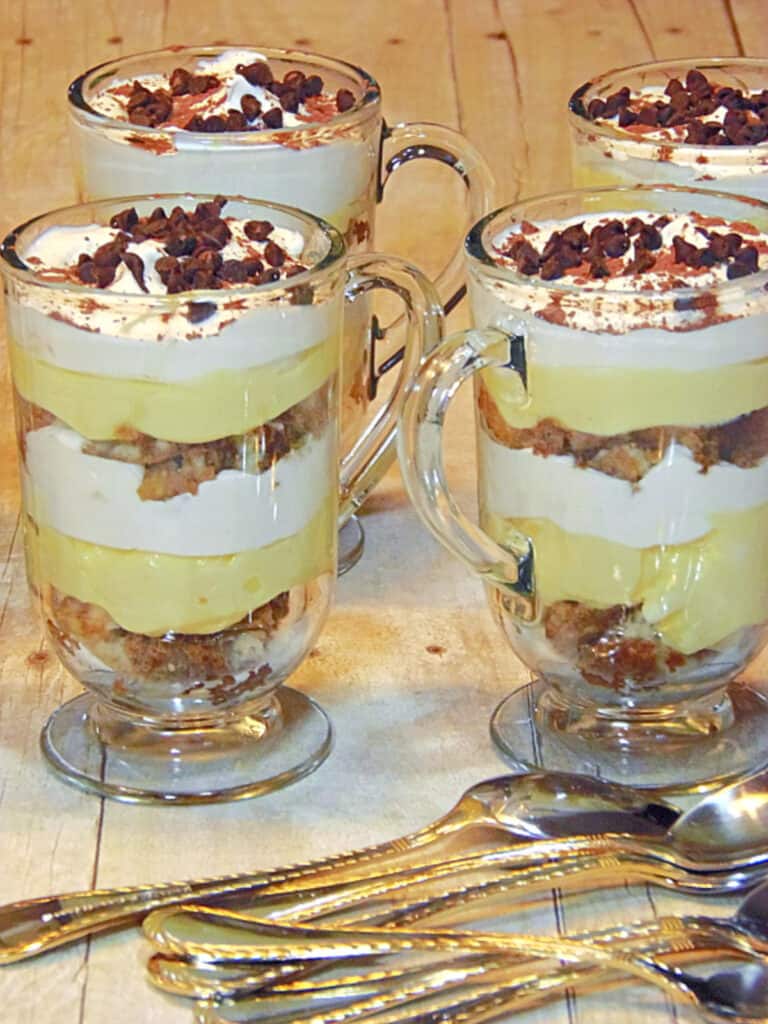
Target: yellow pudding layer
pixel 151 593
pixel 695 594
pixel 611 400
pixel 218 404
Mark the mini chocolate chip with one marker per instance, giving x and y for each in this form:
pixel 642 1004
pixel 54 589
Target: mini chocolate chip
pixel 198 84
pixel 199 311
pixel 737 270
pixel 616 245
pixel 258 73
pixel 253 267
pixel 273 118
pixel 686 253
pixel 674 85
pixel 289 100
pixel 135 264
pixel 258 230
pixel 108 254
pixel 179 81
pixel 125 219
pixel 139 97
pixel 295 79
pixel 627 118
pixel 233 271
pixel 649 237
pixel 596 108
pixel 648 115
pixel 270 274
pixel 274 255
pixel 236 121
pixel 747 256
pixel 180 245
pixel 575 236
pixel 641 261
pixel 697 83
pixel 86 269
pixel 345 100
pixel 250 107
pixel 195 124
pixel 311 86
pixel 214 123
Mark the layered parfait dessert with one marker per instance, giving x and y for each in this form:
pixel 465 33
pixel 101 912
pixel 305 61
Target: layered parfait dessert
pixel 631 447
pixel 697 124
pixel 174 370
pixel 288 127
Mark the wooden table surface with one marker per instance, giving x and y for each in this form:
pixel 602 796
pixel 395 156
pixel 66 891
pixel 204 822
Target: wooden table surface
pixel 409 666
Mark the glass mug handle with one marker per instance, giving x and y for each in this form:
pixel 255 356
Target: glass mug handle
pixel 405 142
pixel 511 570
pixel 372 453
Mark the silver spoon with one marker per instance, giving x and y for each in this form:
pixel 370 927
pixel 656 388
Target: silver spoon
pixel 531 806
pixel 520 806
pixel 745 932
pixel 739 993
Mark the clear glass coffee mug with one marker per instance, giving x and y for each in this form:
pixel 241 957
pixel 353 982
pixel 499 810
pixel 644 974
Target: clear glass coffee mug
pixel 181 490
pixel 635 599
pixel 606 154
pixel 336 169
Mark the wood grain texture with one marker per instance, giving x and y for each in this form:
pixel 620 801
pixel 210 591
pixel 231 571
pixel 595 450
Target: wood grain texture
pixel 410 665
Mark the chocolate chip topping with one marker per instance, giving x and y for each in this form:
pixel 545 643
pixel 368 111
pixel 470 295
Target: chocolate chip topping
pixel 192 241
pixel 688 106
pixel 605 250
pixel 152 108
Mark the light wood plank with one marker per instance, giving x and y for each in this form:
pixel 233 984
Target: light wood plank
pixel 750 18
pixel 687 28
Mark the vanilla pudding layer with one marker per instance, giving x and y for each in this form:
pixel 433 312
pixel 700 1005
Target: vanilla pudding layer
pixel 218 404
pixel 145 591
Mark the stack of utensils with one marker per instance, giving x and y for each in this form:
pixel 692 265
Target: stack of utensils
pixel 404 931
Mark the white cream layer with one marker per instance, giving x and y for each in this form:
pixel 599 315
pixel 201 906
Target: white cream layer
pixel 672 504
pixel 585 341
pixel 95 499
pixel 122 341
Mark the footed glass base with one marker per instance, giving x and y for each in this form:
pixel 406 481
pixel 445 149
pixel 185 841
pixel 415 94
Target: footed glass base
pixel 351 544
pixel 96 748
pixel 688 749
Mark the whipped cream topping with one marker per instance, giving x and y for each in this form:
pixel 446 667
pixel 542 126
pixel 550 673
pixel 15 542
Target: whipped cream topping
pixel 667 274
pixel 697 111
pixel 259 104
pixel 131 286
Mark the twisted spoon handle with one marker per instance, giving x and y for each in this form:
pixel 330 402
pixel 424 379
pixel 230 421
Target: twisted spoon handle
pixel 30 927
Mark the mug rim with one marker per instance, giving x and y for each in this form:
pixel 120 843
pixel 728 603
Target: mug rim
pixel 364 105
pixel 577 110
pixel 12 265
pixel 483 262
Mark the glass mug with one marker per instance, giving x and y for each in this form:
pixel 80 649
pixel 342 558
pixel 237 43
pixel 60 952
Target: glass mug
pixel 336 169
pixel 635 594
pixel 607 154
pixel 181 487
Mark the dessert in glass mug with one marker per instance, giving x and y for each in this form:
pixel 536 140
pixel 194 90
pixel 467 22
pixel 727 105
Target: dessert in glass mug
pixel 698 123
pixel 621 381
pixel 282 125
pixel 175 365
